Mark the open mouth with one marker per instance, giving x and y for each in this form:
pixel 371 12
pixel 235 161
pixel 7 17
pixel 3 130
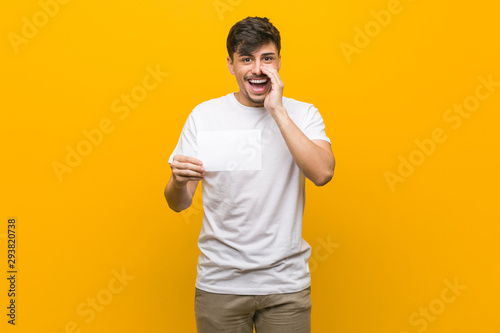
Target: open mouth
pixel 260 85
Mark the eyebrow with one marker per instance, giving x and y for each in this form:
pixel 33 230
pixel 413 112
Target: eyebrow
pixel 262 55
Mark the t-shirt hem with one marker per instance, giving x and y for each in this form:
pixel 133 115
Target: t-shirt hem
pixel 250 291
pixel 324 138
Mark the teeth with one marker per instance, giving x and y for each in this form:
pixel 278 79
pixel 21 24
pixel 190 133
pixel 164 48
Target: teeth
pixel 258 81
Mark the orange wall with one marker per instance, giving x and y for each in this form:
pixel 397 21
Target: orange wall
pixel 405 237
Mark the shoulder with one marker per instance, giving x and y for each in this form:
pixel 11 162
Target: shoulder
pixel 304 114
pixel 295 104
pixel 299 110
pixel 206 109
pixel 212 103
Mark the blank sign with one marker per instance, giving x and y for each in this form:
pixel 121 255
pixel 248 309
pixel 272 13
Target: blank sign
pixel 230 150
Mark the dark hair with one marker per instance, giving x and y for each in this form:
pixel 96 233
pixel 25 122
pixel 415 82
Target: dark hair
pixel 249 34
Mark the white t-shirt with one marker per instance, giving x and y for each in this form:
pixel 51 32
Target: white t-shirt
pixel 251 235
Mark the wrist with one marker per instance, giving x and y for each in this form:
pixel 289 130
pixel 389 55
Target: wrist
pixel 280 114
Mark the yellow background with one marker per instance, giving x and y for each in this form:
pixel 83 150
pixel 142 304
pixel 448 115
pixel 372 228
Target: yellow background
pixel 395 246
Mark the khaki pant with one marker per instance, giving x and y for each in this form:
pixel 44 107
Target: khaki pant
pixel 277 313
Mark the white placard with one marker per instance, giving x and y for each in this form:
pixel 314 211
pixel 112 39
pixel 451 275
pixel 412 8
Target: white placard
pixel 230 150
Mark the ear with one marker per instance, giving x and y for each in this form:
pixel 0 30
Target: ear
pixel 230 65
pixel 279 62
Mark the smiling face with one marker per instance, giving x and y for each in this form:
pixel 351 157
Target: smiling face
pixel 253 83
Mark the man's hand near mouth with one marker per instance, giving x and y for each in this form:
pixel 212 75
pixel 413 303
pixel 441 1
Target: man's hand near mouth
pixel 274 99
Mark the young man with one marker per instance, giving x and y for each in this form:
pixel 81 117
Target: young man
pixel 253 267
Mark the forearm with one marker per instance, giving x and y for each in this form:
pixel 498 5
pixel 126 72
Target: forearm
pixel 178 198
pixel 315 162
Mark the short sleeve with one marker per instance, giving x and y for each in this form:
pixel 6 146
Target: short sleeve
pixel 314 127
pixel 187 144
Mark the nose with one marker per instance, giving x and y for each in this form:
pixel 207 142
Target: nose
pixel 256 68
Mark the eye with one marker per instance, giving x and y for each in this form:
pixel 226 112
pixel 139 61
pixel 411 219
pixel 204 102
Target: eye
pixel 246 59
pixel 268 58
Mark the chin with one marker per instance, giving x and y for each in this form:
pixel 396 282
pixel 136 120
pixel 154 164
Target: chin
pixel 257 100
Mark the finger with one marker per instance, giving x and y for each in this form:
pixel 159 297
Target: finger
pixel 272 74
pixel 186 179
pixel 194 178
pixel 188 174
pixel 269 75
pixel 188 166
pixel 182 158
